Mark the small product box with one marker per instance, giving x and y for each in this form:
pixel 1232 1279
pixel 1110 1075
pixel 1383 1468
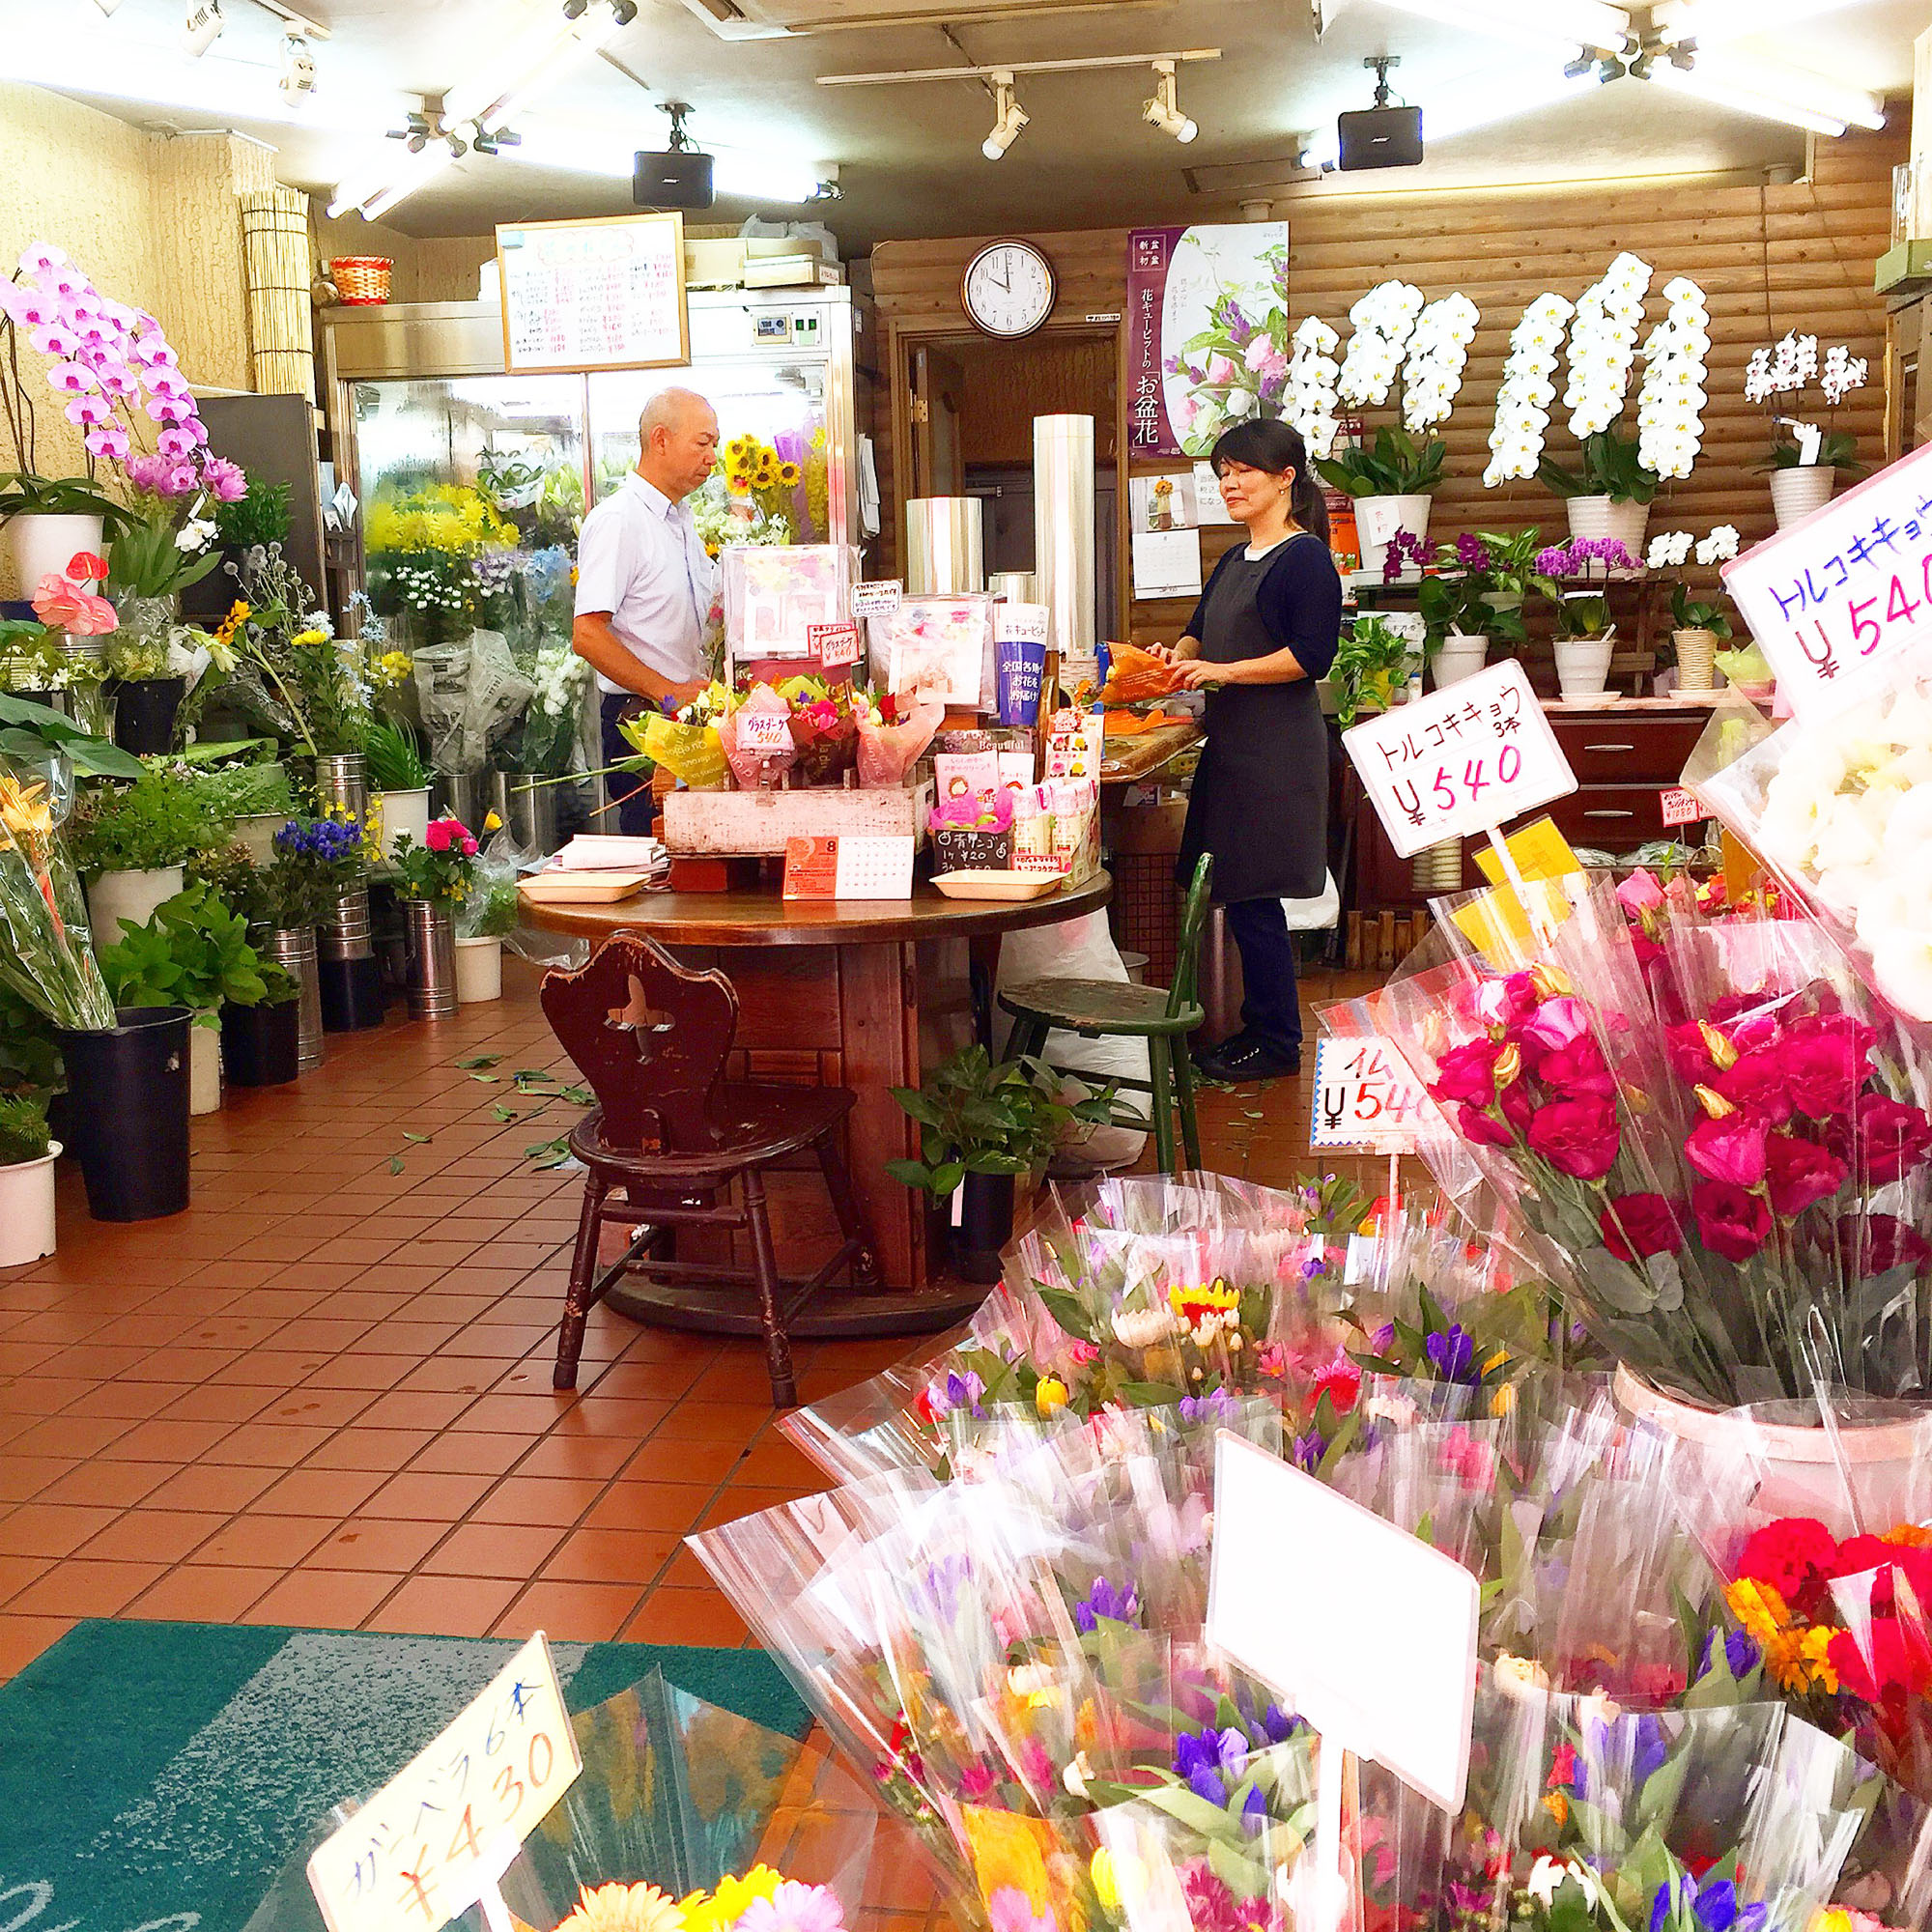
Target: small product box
pixel 938 644
pixel 775 594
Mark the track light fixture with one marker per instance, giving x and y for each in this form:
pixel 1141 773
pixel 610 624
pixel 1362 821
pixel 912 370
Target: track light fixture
pixel 202 27
pixel 297 71
pixel 1162 109
pixel 1009 117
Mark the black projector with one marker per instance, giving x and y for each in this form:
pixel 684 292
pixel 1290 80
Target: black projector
pixel 1371 137
pixel 679 178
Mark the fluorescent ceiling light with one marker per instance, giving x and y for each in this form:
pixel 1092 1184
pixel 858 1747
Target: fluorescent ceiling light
pixel 532 64
pixel 1723 93
pixel 1710 21
pixel 1573 23
pixel 415 172
pixel 1459 108
pixel 1816 93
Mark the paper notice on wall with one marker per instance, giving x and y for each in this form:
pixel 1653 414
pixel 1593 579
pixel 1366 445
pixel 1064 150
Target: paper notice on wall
pixel 1167 564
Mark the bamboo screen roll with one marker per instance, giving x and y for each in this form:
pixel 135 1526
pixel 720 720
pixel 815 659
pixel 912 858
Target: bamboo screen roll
pixel 275 259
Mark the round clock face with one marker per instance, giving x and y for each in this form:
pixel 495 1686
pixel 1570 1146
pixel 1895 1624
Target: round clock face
pixel 1009 288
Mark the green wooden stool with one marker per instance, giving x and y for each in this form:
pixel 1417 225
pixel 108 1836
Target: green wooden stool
pixel 1096 1009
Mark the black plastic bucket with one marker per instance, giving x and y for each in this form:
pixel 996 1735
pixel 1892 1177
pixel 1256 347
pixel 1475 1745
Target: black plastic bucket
pixel 351 994
pixel 260 1045
pixel 129 1119
pixel 986 1225
pixel 144 713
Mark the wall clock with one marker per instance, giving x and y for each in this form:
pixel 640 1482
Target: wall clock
pixel 1008 288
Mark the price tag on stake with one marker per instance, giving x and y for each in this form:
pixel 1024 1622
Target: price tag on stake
pixel 1836 598
pixel 1460 761
pixel 877 600
pixel 764 731
pixel 440 1835
pixel 832 645
pixel 1680 807
pixel 1365 1097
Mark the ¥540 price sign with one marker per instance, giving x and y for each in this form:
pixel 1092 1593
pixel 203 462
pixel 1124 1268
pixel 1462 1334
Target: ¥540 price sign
pixel 438 1837
pixel 1461 760
pixel 1365 1097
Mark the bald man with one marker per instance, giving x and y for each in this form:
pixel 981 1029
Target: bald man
pixel 644 584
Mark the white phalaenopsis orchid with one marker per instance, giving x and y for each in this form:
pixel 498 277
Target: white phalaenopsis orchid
pixel 1669 550
pixel 1843 373
pixel 1384 320
pixel 1602 344
pixel 1670 402
pixel 1720 547
pixel 1526 393
pixel 1438 351
pixel 1310 400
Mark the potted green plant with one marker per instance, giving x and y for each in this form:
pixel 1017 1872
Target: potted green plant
pixel 1375 662
pixel 1608 494
pixel 483 922
pixel 1475 599
pixel 314 859
pixel 193 952
pixel 1585 635
pixel 399 782
pixel 246 794
pixel 27 1158
pixel 130 841
pixel 49 520
pixel 1392 480
pixel 1800 485
pixel 981 1124
pixel 1803 463
pixel 1696 628
pixel 433 879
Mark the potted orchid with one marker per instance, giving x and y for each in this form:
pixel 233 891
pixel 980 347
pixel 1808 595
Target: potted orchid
pixel 1804 466
pixel 1696 628
pixel 1585 635
pixel 1475 597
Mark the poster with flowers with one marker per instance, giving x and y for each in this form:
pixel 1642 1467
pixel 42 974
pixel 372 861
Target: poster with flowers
pixel 1208 333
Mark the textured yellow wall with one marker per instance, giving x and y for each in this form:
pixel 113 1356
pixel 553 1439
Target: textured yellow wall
pixel 152 218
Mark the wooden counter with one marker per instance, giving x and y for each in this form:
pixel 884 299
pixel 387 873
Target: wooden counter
pixel 869 994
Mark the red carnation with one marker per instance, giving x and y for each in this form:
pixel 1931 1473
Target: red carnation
pixel 1799 1174
pixel 1756 1085
pixel 1468 1072
pixel 1577 1072
pixel 1730 1222
pixel 1794 1556
pixel 1731 1150
pixel 1825 1063
pixel 1636 1226
pixel 1575 1137
pixel 1341 1384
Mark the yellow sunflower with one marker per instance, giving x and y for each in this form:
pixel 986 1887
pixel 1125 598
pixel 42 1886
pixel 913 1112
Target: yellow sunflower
pixel 788 475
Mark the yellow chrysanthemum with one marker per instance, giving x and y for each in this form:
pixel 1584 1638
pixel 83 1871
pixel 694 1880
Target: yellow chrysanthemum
pixel 1558 1805
pixel 624 1908
pixel 712 1911
pixel 310 638
pixel 1758 1607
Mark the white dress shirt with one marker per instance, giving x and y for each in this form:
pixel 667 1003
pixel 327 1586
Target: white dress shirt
pixel 639 557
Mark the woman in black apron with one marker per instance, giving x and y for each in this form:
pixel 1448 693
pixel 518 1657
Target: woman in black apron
pixel 1265 629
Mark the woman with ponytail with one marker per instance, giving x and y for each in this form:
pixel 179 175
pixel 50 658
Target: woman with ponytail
pixel 1265 629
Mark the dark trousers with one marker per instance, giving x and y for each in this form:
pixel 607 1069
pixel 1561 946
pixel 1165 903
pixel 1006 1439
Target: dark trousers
pixel 631 794
pixel 1270 1006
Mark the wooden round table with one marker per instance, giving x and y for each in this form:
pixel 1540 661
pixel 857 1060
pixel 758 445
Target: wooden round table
pixel 869 994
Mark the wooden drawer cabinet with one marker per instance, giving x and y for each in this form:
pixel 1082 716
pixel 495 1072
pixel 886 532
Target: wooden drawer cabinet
pixel 1635 748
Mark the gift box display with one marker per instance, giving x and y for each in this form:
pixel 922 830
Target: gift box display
pixel 934 645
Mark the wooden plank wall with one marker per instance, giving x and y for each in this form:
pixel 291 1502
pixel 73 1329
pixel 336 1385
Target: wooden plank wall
pixel 1769 258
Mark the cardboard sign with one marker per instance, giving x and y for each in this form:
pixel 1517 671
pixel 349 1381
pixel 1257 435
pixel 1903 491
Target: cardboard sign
pixel 764 731
pixel 877 600
pixel 1376 520
pixel 1680 808
pixel 1460 760
pixel 1360 1627
pixel 445 1828
pixel 1365 1097
pixel 832 645
pixel 1833 600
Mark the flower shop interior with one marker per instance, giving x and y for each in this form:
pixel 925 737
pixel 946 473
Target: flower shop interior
pixel 714 1215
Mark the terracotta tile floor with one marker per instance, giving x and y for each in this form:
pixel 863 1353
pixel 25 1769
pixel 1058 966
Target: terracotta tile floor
pixel 322 1396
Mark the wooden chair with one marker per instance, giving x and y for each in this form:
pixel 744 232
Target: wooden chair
pixel 669 1135
pixel 1094 1008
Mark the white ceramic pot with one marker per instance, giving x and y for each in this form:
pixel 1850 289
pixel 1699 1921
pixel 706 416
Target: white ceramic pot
pixel 396 812
pixel 1458 655
pixel 1605 517
pixel 479 970
pixel 130 895
pixel 1412 514
pixel 44 544
pixel 204 1067
pixel 256 829
pixel 1695 650
pixel 1583 664
pixel 1795 492
pixel 27 1209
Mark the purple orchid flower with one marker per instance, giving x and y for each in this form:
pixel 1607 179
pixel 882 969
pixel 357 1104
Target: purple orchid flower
pixel 1217 1406
pixel 1103 1599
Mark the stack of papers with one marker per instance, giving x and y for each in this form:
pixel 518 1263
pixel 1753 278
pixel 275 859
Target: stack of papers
pixel 597 869
pixel 592 852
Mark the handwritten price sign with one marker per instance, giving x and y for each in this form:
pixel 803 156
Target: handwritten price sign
pixel 1460 760
pixel 441 1832
pixel 1834 598
pixel 1365 1097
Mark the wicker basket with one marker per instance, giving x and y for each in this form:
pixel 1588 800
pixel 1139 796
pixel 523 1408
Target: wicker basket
pixel 361 278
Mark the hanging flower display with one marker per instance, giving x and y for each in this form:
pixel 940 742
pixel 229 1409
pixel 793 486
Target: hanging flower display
pixel 1438 351
pixel 1670 402
pixel 1312 372
pixel 1383 321
pixel 1526 393
pixel 1602 345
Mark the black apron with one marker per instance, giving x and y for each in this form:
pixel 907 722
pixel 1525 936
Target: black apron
pixel 1259 798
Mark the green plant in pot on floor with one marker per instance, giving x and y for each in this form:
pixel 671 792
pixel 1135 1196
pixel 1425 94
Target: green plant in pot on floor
pixel 981 1124
pixel 433 879
pixel 131 842
pixel 26 1179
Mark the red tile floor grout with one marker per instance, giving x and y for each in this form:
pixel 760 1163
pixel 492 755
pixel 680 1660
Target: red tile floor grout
pixel 323 1395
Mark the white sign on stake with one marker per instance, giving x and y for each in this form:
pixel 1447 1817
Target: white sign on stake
pixel 440 1835
pixel 1360 1627
pixel 1460 760
pixel 1365 1096
pixel 1834 598
pixel 877 600
pixel 1679 807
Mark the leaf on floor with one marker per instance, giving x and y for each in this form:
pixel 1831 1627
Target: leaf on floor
pixel 500 1112
pixel 1252 1114
pixel 549 1154
pixel 481 1059
pixel 489 1079
pixel 418 1140
pixel 395 1163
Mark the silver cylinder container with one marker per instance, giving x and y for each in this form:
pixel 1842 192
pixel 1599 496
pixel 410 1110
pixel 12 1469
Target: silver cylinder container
pixel 945 546
pixel 293 949
pixel 465 795
pixel 346 933
pixel 342 786
pixel 1016 587
pixel 1063 530
pixel 530 813
pixel 431 937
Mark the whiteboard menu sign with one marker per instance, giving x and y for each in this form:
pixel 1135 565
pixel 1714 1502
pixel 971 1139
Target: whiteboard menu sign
pixel 604 294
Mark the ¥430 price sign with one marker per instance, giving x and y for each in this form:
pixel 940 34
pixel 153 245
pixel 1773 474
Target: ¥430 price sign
pixel 1461 760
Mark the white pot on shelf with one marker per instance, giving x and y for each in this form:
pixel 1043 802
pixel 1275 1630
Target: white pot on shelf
pixel 396 812
pixel 204 1066
pixel 1459 655
pixel 1583 664
pixel 1605 517
pixel 1800 489
pixel 113 897
pixel 479 971
pixel 27 1209
pixel 44 544
pixel 1411 513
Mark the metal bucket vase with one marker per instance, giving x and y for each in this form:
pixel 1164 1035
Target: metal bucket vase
pixel 342 786
pixel 465 795
pixel 293 949
pixel 431 934
pixel 530 813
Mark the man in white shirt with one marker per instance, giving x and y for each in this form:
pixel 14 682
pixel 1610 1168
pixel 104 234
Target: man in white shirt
pixel 644 584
